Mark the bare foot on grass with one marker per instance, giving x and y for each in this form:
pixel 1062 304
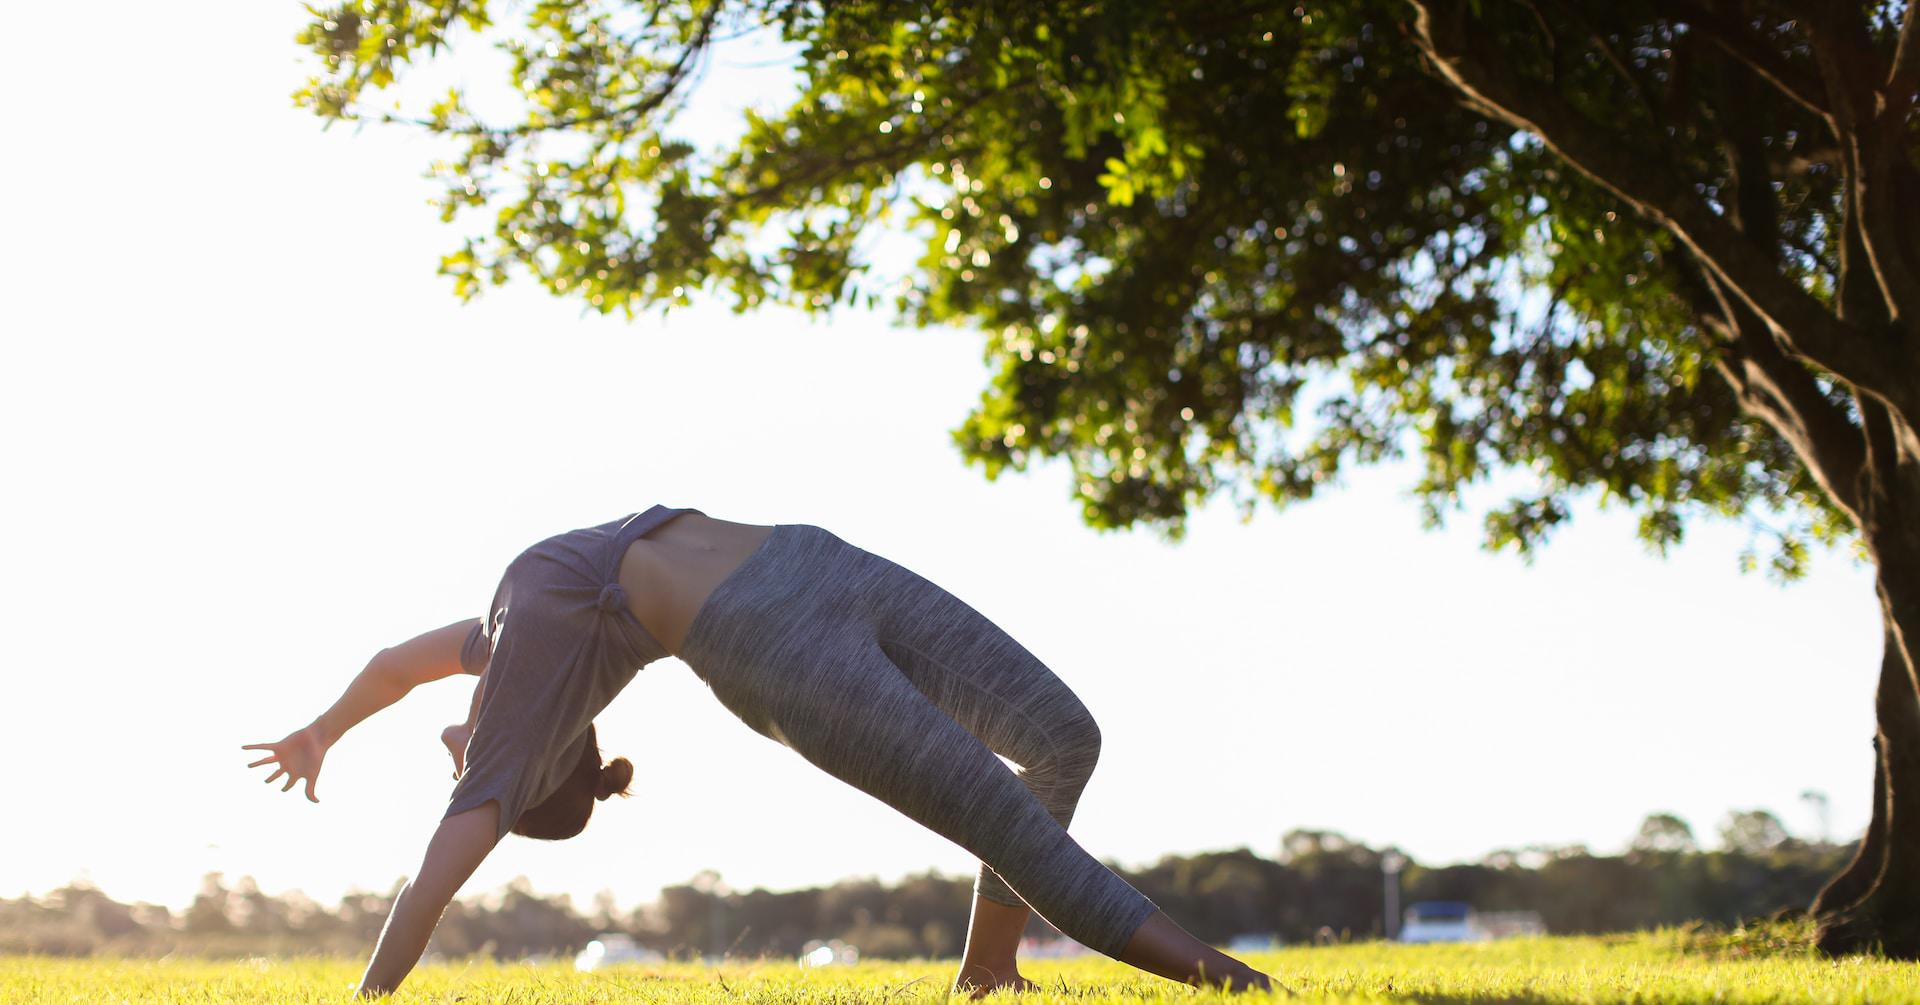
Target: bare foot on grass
pixel 977 981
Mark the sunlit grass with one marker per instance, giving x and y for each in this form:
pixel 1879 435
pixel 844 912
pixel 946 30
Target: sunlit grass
pixel 1654 967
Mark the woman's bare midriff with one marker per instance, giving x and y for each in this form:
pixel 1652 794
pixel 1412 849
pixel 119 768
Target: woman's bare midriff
pixel 669 573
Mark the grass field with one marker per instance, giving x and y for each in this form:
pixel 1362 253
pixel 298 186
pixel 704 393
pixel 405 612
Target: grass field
pixel 1668 966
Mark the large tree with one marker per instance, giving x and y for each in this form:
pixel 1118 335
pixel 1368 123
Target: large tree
pixel 1659 252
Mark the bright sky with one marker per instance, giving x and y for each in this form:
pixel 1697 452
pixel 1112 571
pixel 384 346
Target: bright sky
pixel 253 439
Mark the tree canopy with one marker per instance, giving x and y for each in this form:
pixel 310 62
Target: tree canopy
pixel 1214 247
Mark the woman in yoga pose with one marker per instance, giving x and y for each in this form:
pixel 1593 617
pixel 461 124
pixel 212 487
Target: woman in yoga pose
pixel 863 667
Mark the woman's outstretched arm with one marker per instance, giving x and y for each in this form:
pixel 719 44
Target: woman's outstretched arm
pixel 393 672
pixel 457 849
pixel 387 678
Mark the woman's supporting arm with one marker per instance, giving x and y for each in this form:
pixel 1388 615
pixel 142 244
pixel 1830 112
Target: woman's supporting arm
pixel 458 847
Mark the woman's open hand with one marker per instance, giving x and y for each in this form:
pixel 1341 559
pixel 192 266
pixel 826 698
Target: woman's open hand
pixel 456 737
pixel 298 757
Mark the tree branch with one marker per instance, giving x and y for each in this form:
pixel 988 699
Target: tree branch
pixel 1904 76
pixel 1739 43
pixel 1797 318
pixel 1867 141
pixel 1779 391
pixel 639 107
pixel 909 141
pixel 1620 67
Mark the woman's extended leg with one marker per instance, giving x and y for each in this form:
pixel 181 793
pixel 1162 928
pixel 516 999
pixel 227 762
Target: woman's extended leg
pixel 996 689
pixel 793 645
pixel 893 743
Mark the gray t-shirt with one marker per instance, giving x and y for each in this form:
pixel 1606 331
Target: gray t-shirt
pixel 558 644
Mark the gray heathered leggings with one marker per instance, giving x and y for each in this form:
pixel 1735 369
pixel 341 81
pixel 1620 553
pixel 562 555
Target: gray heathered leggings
pixel 900 689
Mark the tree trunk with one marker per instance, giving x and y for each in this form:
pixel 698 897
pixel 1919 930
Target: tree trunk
pixel 1887 915
pixel 1850 884
pixel 1774 326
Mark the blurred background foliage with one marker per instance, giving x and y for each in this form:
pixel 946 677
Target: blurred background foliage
pixel 1314 880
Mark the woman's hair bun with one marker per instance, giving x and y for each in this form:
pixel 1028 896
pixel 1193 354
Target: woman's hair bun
pixel 614 778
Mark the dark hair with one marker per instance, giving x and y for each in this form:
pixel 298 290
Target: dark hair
pixel 565 813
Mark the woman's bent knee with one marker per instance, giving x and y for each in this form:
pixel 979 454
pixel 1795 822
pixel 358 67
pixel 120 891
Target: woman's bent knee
pixel 1079 744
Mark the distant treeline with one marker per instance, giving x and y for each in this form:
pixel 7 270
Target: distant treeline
pixel 1321 885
